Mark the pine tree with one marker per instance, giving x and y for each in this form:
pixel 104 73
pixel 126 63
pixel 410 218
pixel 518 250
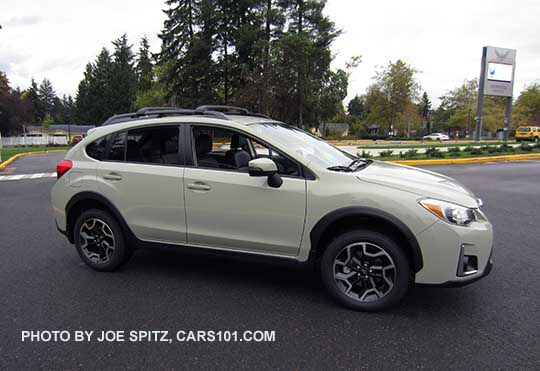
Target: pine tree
pixel 424 110
pixel 302 59
pixel 186 52
pixel 32 93
pixel 144 67
pixel 123 79
pixel 47 98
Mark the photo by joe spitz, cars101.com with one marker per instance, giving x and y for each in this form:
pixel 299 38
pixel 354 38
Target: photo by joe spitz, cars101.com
pixel 232 180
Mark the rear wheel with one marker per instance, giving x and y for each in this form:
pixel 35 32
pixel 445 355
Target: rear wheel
pixel 99 240
pixel 365 270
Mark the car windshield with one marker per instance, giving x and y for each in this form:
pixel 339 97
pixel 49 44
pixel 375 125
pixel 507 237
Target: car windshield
pixel 305 145
pixel 524 130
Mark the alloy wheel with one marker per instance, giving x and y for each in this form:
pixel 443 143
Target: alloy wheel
pixel 364 271
pixel 97 240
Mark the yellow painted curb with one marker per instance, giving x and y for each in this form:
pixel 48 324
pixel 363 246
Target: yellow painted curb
pixel 472 160
pixel 6 163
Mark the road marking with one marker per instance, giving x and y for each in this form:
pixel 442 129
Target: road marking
pixel 27 176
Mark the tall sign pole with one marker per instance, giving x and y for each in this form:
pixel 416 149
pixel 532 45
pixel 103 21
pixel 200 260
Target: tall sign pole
pixel 480 105
pixel 496 78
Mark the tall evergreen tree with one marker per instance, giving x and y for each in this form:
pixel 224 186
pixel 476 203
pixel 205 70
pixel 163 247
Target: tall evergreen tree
pixel 94 95
pixel 144 67
pixel 123 79
pixel 47 98
pixel 186 52
pixel 303 56
pixel 32 93
pixel 424 110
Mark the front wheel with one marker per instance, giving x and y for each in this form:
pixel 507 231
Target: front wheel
pixel 365 270
pixel 536 139
pixel 99 240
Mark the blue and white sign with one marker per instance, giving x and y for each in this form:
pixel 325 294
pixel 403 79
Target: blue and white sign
pixel 500 72
pixel 500 69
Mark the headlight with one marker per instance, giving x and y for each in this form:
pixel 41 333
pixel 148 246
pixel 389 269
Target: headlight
pixel 449 212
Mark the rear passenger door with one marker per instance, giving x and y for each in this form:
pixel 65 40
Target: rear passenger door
pixel 142 175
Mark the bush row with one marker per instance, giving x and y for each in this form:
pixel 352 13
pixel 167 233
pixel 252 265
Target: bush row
pixel 434 152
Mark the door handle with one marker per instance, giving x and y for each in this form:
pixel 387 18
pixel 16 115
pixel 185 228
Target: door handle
pixel 199 186
pixel 112 176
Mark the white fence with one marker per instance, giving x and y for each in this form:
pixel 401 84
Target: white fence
pixel 34 141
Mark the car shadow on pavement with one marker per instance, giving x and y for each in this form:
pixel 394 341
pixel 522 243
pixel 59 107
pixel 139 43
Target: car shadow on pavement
pixel 269 275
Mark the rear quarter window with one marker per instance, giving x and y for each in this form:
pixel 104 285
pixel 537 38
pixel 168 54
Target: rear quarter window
pixel 96 149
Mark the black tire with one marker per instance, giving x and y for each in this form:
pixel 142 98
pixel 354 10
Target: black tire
pixel 121 252
pixel 402 274
pixel 536 139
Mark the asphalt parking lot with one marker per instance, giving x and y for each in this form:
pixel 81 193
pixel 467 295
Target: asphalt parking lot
pixel 493 324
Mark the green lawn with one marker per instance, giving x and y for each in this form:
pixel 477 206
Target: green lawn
pixel 10 152
pixel 433 144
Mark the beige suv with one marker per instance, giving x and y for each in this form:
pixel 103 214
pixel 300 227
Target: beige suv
pixel 223 178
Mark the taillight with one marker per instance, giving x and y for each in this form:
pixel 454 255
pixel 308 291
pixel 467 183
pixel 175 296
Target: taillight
pixel 63 167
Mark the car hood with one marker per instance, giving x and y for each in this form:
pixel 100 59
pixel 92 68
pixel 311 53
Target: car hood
pixel 421 182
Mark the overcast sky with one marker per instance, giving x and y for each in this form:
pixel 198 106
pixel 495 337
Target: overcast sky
pixel 442 39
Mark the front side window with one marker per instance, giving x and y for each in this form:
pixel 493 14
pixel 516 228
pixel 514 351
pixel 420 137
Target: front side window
pixel 221 148
pixel 305 145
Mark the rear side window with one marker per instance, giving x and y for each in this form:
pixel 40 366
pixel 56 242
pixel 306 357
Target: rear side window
pixel 97 148
pixel 155 145
pixel 118 147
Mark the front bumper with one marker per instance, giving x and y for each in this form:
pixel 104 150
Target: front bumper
pixel 444 248
pixel 461 283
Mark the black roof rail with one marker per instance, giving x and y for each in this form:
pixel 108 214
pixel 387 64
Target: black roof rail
pixel 156 112
pixel 229 110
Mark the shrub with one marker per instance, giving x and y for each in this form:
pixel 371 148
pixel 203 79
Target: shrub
pixel 468 149
pixel 454 151
pixel 387 153
pixel 412 153
pixel 434 152
pixel 524 147
pixel 364 154
pixel 506 148
pixel 493 149
pixel 476 151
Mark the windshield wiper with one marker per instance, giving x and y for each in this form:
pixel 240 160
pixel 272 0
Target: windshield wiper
pixel 340 168
pixel 356 164
pixel 359 163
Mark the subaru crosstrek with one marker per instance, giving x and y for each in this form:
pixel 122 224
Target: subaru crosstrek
pixel 227 179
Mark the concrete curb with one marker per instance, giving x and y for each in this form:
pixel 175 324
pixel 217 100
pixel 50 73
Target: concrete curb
pixel 8 162
pixel 472 160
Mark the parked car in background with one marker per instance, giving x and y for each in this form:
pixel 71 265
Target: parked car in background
pixel 531 133
pixel 76 139
pixel 224 178
pixel 436 136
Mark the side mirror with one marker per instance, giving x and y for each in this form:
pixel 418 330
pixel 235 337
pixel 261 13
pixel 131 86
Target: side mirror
pixel 268 168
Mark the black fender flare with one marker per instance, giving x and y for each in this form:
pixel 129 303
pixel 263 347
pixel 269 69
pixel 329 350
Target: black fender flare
pixel 98 198
pixel 367 212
